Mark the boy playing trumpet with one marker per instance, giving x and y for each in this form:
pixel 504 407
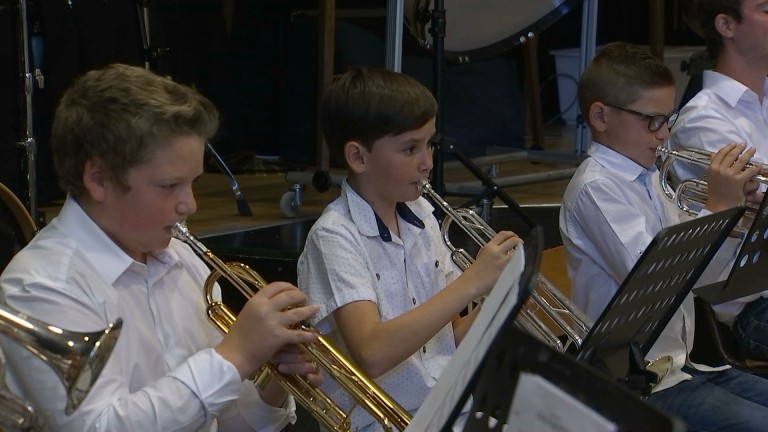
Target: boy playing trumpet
pixel 374 262
pixel 613 207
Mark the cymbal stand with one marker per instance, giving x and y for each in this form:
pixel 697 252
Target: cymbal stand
pixel 153 56
pixel 28 143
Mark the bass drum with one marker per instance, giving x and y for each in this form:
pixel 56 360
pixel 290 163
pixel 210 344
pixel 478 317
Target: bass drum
pixel 478 29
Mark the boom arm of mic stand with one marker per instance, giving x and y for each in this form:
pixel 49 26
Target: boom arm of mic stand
pixel 242 204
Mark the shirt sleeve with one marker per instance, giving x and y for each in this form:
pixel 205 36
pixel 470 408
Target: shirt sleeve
pixel 334 270
pixel 703 129
pixel 250 412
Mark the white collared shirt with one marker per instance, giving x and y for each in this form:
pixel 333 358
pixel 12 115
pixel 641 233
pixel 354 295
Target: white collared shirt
pixel 350 255
pixel 612 209
pixel 725 111
pixel 163 374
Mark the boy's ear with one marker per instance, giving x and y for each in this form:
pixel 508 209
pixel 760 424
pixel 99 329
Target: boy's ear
pixel 724 25
pixel 597 117
pixel 93 179
pixel 355 154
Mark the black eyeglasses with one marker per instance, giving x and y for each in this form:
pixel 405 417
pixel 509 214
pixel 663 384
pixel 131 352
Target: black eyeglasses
pixel 655 121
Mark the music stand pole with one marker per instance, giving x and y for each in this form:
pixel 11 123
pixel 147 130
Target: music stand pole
pixel 437 30
pixel 28 142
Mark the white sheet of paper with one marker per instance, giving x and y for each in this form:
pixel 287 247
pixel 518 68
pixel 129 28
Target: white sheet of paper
pixel 538 405
pixel 497 306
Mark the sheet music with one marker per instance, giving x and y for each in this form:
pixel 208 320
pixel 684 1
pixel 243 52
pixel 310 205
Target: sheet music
pixel 496 308
pixel 532 404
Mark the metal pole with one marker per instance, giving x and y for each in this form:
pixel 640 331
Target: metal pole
pixel 394 58
pixel 27 142
pixel 586 53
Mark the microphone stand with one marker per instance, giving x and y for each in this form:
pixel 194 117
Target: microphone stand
pixel 28 144
pixel 153 57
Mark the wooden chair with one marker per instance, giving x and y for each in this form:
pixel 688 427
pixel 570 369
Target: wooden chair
pixel 16 225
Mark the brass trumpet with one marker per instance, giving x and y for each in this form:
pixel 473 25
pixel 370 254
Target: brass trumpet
pixel 76 358
pixel 559 308
pixel 366 393
pixel 693 191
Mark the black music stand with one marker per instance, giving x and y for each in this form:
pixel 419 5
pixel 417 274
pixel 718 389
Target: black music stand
pixel 517 355
pixel 750 272
pixel 493 369
pixel 651 294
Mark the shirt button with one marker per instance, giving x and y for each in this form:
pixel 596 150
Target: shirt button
pixel 413 299
pixel 424 350
pixel 378 276
pixel 437 264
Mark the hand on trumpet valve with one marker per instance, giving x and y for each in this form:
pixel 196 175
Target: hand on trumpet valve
pixel 730 177
pixel 493 257
pixel 267 322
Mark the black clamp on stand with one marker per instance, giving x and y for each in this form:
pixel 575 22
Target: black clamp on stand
pixel 649 297
pixel 155 57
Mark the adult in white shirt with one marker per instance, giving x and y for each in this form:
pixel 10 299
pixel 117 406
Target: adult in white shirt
pixel 128 145
pixel 611 210
pixel 731 108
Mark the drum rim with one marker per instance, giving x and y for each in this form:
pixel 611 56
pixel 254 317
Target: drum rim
pixel 520 37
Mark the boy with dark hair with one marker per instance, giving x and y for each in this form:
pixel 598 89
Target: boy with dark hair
pixel 388 291
pixel 128 146
pixel 613 207
pixel 731 108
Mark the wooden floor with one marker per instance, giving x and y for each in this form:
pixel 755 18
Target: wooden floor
pixel 218 212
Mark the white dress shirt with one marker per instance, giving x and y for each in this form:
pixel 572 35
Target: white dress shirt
pixel 163 374
pixel 612 209
pixel 725 111
pixel 350 255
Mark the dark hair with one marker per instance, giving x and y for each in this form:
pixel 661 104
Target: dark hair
pixel 619 74
pixel 366 104
pixel 121 115
pixel 702 13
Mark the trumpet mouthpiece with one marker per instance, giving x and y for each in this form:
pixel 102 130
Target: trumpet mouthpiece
pixel 424 186
pixel 661 150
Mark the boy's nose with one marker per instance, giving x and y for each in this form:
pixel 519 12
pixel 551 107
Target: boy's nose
pixel 187 204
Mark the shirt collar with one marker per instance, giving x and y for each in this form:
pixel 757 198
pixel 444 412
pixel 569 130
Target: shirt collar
pixel 107 258
pixel 369 223
pixel 727 88
pixel 612 160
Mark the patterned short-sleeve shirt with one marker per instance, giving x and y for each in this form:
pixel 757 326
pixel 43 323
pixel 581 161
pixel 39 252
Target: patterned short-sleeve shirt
pixel 350 255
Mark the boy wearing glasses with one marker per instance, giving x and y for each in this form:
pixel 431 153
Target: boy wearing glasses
pixel 731 107
pixel 613 207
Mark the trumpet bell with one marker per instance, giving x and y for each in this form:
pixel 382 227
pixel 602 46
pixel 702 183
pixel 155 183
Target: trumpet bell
pixel 76 358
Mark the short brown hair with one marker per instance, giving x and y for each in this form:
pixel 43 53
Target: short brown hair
pixel 702 13
pixel 619 74
pixel 366 104
pixel 121 115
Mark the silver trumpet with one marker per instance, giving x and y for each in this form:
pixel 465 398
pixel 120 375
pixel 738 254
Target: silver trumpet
pixel 76 358
pixel 692 193
pixel 574 323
